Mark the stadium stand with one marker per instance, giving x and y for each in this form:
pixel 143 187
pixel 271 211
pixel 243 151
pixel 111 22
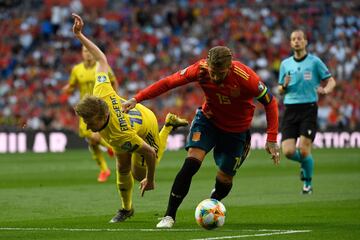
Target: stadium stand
pixel 145 40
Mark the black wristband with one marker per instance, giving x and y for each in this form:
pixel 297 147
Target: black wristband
pixel 283 87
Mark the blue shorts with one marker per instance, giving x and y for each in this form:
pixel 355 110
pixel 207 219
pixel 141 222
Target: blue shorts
pixel 230 149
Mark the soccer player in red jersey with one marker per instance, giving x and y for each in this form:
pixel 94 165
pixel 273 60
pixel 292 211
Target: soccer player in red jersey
pixel 222 123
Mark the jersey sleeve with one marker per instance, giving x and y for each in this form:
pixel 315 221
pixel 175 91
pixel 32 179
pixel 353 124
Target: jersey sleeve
pixel 111 75
pixel 282 73
pixel 263 95
pixel 177 79
pixel 323 71
pixel 128 141
pixel 102 85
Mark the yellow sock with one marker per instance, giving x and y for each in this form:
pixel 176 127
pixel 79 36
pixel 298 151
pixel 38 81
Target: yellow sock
pixel 98 157
pixel 125 184
pixel 163 135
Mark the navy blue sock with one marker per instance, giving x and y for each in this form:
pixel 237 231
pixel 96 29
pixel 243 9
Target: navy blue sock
pixel 221 190
pixel 181 185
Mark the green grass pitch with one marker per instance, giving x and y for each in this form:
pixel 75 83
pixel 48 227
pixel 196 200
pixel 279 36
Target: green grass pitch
pixel 56 196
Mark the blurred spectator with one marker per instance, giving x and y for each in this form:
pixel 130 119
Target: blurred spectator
pixel 146 40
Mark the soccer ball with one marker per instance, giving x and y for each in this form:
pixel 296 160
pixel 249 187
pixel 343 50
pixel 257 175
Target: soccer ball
pixel 210 214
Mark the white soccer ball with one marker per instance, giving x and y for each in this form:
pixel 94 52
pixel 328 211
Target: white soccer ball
pixel 210 214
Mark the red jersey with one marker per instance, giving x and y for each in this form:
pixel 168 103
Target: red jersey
pixel 228 105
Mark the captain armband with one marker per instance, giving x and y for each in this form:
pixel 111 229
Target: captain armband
pixel 265 97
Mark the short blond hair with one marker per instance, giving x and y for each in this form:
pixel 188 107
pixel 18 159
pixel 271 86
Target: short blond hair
pixel 90 107
pixel 219 57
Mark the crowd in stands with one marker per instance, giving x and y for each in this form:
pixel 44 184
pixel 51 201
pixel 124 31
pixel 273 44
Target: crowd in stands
pixel 147 40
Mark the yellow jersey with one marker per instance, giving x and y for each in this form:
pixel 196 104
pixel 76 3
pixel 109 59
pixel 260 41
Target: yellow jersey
pixel 125 132
pixel 84 78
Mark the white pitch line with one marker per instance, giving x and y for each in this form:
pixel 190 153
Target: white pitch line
pixel 97 229
pixel 255 235
pixel 272 231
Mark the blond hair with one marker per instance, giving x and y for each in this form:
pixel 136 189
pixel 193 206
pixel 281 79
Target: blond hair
pixel 90 107
pixel 219 57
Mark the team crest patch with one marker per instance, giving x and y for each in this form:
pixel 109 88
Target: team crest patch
pixel 234 92
pixel 196 136
pixel 101 79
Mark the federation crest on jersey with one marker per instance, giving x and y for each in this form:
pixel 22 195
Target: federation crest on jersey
pixel 101 78
pixel 234 91
pixel 196 136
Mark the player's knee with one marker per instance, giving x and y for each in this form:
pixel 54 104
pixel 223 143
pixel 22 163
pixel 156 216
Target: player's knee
pixel 288 152
pixel 196 153
pixel 304 151
pixel 224 178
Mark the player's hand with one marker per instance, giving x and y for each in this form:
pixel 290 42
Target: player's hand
pixel 95 138
pixel 128 105
pixel 146 185
pixel 67 89
pixel 273 149
pixel 287 80
pixel 78 24
pixel 322 90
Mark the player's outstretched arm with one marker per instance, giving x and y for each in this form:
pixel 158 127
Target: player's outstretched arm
pixel 148 183
pixel 93 49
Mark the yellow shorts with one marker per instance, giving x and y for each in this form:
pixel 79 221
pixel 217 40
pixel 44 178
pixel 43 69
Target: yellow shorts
pixel 150 135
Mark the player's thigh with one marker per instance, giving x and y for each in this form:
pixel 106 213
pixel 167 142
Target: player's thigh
pixel 290 124
pixel 152 131
pixel 202 133
pixel 308 127
pixel 288 146
pixel 231 150
pixel 138 166
pixel 123 162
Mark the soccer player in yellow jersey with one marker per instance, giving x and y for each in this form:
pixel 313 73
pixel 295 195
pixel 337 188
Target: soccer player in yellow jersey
pixel 83 77
pixel 134 136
